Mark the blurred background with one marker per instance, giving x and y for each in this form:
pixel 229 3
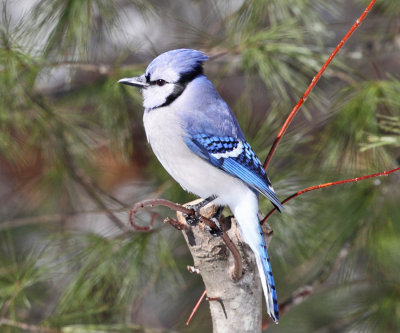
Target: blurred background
pixel 74 158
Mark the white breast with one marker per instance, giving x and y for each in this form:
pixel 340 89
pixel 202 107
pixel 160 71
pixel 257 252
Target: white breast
pixel 165 135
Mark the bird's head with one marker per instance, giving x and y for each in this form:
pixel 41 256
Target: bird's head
pixel 167 76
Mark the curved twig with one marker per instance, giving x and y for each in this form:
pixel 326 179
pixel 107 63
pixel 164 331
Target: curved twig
pixel 237 268
pixel 178 225
pixel 196 307
pixel 166 203
pixel 157 202
pixel 317 187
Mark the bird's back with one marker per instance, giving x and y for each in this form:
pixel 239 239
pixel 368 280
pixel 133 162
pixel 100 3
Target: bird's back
pixel 202 110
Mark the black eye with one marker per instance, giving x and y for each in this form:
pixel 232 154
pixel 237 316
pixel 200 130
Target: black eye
pixel 160 82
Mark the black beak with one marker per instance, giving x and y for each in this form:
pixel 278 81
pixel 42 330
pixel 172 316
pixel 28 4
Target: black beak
pixel 138 81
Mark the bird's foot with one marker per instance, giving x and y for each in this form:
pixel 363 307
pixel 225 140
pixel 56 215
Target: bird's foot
pixel 216 232
pixel 193 219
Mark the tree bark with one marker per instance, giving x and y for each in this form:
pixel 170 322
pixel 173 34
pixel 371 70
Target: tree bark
pixel 239 308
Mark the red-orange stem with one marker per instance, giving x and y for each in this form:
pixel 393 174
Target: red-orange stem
pixel 196 306
pixel 313 83
pixel 317 187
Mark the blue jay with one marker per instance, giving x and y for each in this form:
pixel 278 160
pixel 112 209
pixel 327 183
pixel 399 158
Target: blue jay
pixel 198 140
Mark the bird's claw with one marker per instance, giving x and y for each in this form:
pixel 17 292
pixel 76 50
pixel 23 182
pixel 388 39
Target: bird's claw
pixel 216 232
pixel 192 219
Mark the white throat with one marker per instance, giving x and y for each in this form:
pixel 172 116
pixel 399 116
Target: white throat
pixel 155 96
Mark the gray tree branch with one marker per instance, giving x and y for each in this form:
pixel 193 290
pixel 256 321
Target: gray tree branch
pixel 239 305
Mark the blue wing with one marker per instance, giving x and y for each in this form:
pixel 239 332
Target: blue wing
pixel 236 157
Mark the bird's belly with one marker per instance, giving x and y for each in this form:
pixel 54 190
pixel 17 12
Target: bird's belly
pixel 193 173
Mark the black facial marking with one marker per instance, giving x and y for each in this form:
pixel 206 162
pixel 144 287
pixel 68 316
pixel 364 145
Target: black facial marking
pixel 178 90
pixel 182 83
pixel 187 77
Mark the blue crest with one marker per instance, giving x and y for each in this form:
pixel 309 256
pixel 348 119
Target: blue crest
pixel 178 62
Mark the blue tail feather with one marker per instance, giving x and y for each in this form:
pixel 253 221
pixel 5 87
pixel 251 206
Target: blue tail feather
pixel 270 283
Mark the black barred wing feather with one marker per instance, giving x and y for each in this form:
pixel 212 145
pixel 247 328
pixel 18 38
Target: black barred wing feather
pixel 236 157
